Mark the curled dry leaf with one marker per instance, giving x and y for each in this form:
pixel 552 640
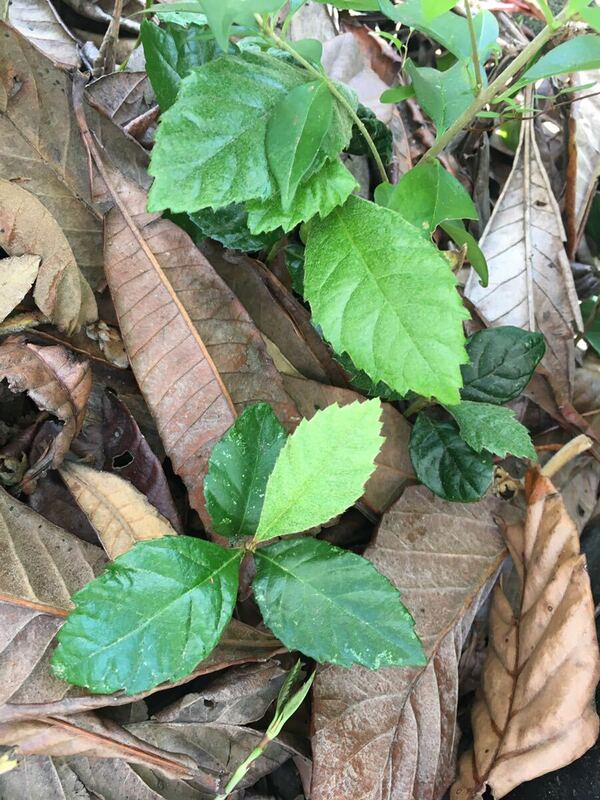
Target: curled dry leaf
pixel 392 733
pixel 40 24
pixel 26 226
pixel 195 352
pixel 120 515
pixel 531 284
pixel 57 382
pixel 17 276
pixel 535 711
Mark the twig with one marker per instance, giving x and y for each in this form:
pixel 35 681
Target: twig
pixel 566 454
pixel 105 61
pixel 474 49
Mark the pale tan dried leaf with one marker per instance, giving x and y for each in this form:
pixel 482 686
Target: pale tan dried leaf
pixel 585 112
pixel 121 96
pixel 194 350
pixel 394 468
pixel 56 381
pixel 17 276
pixel 391 734
pixel 40 24
pixel 42 150
pixel 26 226
pixel 535 711
pixel 118 512
pixel 531 284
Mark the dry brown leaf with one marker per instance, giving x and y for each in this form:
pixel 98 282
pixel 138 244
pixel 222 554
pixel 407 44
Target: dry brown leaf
pixel 585 113
pixel 394 468
pixel 531 284
pixel 17 275
pixel 26 226
pixel 535 711
pixel 121 96
pixel 120 515
pixel 40 24
pixel 194 350
pixel 391 734
pixel 56 381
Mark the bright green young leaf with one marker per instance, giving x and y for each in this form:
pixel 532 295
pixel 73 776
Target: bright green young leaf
pixel 221 14
pixel 229 226
pixel 152 615
pixel 381 292
pixel 501 363
pixel 295 130
pixel 322 192
pixel 443 95
pixel 446 464
pixel 322 468
pixel 397 94
pixel 580 53
pixel 353 5
pixel 427 195
pixel 333 606
pixel 310 49
pixel 460 236
pixel 435 8
pixel 484 426
pixel 210 145
pixel 238 470
pixel 171 51
pixel 591 15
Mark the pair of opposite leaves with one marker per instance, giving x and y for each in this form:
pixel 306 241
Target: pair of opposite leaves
pixel 162 607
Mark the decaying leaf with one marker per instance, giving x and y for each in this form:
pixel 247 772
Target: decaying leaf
pixel 120 515
pixel 121 96
pixel 535 711
pixel 394 469
pixel 26 226
pixel 40 24
pixel 531 284
pixel 585 113
pixel 56 381
pixel 17 276
pixel 195 352
pixel 391 733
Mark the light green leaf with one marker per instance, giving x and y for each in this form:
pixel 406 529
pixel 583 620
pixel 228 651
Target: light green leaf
pixel 210 145
pixel 238 469
pixel 427 195
pixel 221 14
pixel 435 8
pixel 397 94
pixel 322 192
pixel 580 53
pixel 461 236
pixel 443 95
pixel 310 49
pixel 295 130
pixel 322 468
pixel 333 606
pixel 446 464
pixel 153 614
pixel 383 293
pixel 484 426
pixel 591 16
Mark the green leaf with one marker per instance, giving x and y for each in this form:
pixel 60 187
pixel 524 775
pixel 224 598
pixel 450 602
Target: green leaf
pixel 322 192
pixel 443 95
pixel 461 236
pixel 427 195
pixel 294 261
pixel 383 293
pixel 484 426
pixel 591 16
pixel 238 469
pixel 592 326
pixel 210 145
pixel 221 14
pixel 353 5
pixel 171 52
pixel 359 380
pixel 333 606
pixel 435 8
pixel 322 468
pixel 379 132
pixel 229 226
pixel 502 361
pixel 397 94
pixel 310 49
pixel 152 615
pixel 446 464
pixel 580 53
pixel 295 130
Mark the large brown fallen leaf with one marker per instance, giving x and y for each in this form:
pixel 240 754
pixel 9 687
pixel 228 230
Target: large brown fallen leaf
pixel 120 515
pixel 391 734
pixel 535 711
pixel 531 284
pixel 56 381
pixel 193 348
pixel 394 468
pixel 26 226
pixel 17 276
pixel 40 24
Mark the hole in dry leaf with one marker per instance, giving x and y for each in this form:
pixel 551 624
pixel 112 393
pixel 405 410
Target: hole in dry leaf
pixel 122 460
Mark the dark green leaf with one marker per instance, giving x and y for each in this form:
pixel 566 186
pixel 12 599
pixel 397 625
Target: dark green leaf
pixel 229 226
pixel 153 614
pixel 485 426
pixel 446 464
pixel 580 53
pixel 592 323
pixel 171 52
pixel 461 236
pixel 294 261
pixel 361 381
pixel 238 469
pixel 443 95
pixel 502 361
pixel 333 606
pixel 295 130
pixel 379 132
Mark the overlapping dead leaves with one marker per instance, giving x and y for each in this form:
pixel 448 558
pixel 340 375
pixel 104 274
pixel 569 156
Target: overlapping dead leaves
pixel 205 334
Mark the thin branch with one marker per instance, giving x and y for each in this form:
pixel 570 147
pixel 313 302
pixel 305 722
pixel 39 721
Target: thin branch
pixel 474 48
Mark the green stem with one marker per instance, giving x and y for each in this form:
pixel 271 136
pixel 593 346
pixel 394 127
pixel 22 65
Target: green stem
pixel 497 85
pixel 474 48
pixel 417 405
pixel 243 768
pixel 285 45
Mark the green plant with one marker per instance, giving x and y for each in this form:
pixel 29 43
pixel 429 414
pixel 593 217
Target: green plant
pixel 162 607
